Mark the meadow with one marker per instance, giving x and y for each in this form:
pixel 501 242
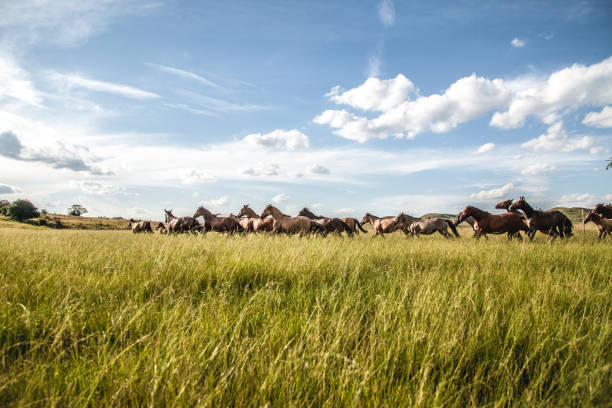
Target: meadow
pixel 108 318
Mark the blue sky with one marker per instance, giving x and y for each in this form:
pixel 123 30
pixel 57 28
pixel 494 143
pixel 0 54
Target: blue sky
pixel 128 107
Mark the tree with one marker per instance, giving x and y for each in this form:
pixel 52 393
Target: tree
pixel 22 210
pixel 4 206
pixel 77 210
pixel 609 166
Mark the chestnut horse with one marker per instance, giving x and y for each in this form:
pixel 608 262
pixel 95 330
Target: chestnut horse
pixel 487 223
pixel 603 210
pixel 181 224
pixel 140 226
pixel 329 224
pixel 604 225
pixel 551 222
pixel 382 225
pixel 256 223
pixel 290 225
pixel 219 224
pixel 470 221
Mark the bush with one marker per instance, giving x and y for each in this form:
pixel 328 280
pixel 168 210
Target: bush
pixel 4 206
pixel 21 210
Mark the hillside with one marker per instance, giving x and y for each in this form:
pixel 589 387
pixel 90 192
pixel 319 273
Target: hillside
pixel 68 222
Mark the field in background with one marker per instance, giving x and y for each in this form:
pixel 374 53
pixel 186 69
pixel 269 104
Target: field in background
pixel 110 318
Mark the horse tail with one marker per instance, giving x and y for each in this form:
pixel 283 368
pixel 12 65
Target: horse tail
pixel 452 227
pixel 567 227
pixel 358 225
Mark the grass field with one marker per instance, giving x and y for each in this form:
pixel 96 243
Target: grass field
pixel 107 318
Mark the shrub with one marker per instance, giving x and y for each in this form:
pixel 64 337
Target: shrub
pixel 21 210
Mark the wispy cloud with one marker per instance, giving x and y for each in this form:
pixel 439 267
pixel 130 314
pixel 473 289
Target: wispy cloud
pixel 485 148
pixel 186 74
pixel 15 82
pixel 516 43
pixel 101 86
pixel 216 104
pixel 386 12
pixel 8 189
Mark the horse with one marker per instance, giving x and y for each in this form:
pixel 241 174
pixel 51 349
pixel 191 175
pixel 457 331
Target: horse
pixel 290 225
pixel 605 210
pixel 180 224
pixel 140 226
pixel 255 222
pixel 604 225
pixel 212 222
pixel 487 223
pixel 161 228
pixel 469 220
pixel 552 222
pixel 404 222
pixel 382 225
pixel 244 222
pixel 432 225
pixel 353 224
pixel 504 205
pixel 329 224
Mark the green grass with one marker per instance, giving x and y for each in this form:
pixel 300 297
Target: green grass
pixel 107 318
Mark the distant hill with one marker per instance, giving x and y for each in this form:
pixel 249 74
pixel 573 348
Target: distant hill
pixel 439 215
pixel 573 213
pixel 68 222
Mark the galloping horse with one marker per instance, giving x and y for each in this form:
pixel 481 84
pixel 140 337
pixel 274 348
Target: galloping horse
pixel 504 205
pixel 244 222
pixel 290 225
pixel 604 225
pixel 161 228
pixel 140 226
pixel 220 224
pixel 353 224
pixel 256 223
pixel 469 220
pixel 329 224
pixel 603 210
pixel 552 222
pixel 487 223
pixel 431 225
pixel 382 225
pixel 180 224
pixel 404 222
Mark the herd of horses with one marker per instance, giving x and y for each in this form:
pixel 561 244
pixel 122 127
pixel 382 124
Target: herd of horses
pixel 519 217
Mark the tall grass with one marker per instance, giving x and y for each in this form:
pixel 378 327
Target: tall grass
pixel 105 318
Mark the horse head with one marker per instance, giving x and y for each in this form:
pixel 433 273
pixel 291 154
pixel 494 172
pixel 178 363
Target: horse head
pixel 267 211
pixel 590 216
pixel 169 214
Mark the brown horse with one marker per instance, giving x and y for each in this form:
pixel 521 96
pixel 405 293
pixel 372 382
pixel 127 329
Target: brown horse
pixel 470 221
pixel 255 222
pixel 504 205
pixel 432 225
pixel 605 210
pixel 290 225
pixel 161 228
pixel 604 225
pixel 551 222
pixel 244 222
pixel 353 224
pixel 382 225
pixel 404 222
pixel 487 223
pixel 181 224
pixel 140 226
pixel 329 224
pixel 219 224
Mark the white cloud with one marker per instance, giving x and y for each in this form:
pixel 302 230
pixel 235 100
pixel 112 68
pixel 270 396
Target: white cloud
pixel 556 140
pixel 219 202
pixel 262 169
pixel 101 86
pixel 493 193
pixel 386 12
pixel 569 88
pixel 94 187
pixel 537 169
pixel 318 169
pixel 185 74
pixel 516 43
pixel 7 189
pixel 485 148
pixel 601 119
pixel 374 64
pixel 578 200
pixel 194 176
pixel 16 83
pixel 345 211
pixel 316 205
pixel 374 94
pixel 284 139
pixel 280 198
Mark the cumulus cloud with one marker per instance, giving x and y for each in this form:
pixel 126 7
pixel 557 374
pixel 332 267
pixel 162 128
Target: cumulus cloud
pixel 283 139
pixel 516 43
pixel 280 198
pixel 318 169
pixel 556 139
pixel 386 12
pixel 345 211
pixel 374 94
pixel 578 200
pixel 94 187
pixel 538 169
pixel 569 88
pixel 218 202
pixel 493 193
pixel 194 176
pixel 601 119
pixel 72 157
pixel 262 169
pixel 7 189
pixel 102 86
pixel 485 148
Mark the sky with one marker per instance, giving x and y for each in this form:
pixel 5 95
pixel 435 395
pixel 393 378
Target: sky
pixel 128 107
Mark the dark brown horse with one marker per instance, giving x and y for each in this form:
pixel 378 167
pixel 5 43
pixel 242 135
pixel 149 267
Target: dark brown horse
pixel 219 224
pixel 290 225
pixel 605 210
pixel 255 222
pixel 329 224
pixel 382 225
pixel 140 226
pixel 604 225
pixel 486 223
pixel 504 205
pixel 181 224
pixel 551 222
